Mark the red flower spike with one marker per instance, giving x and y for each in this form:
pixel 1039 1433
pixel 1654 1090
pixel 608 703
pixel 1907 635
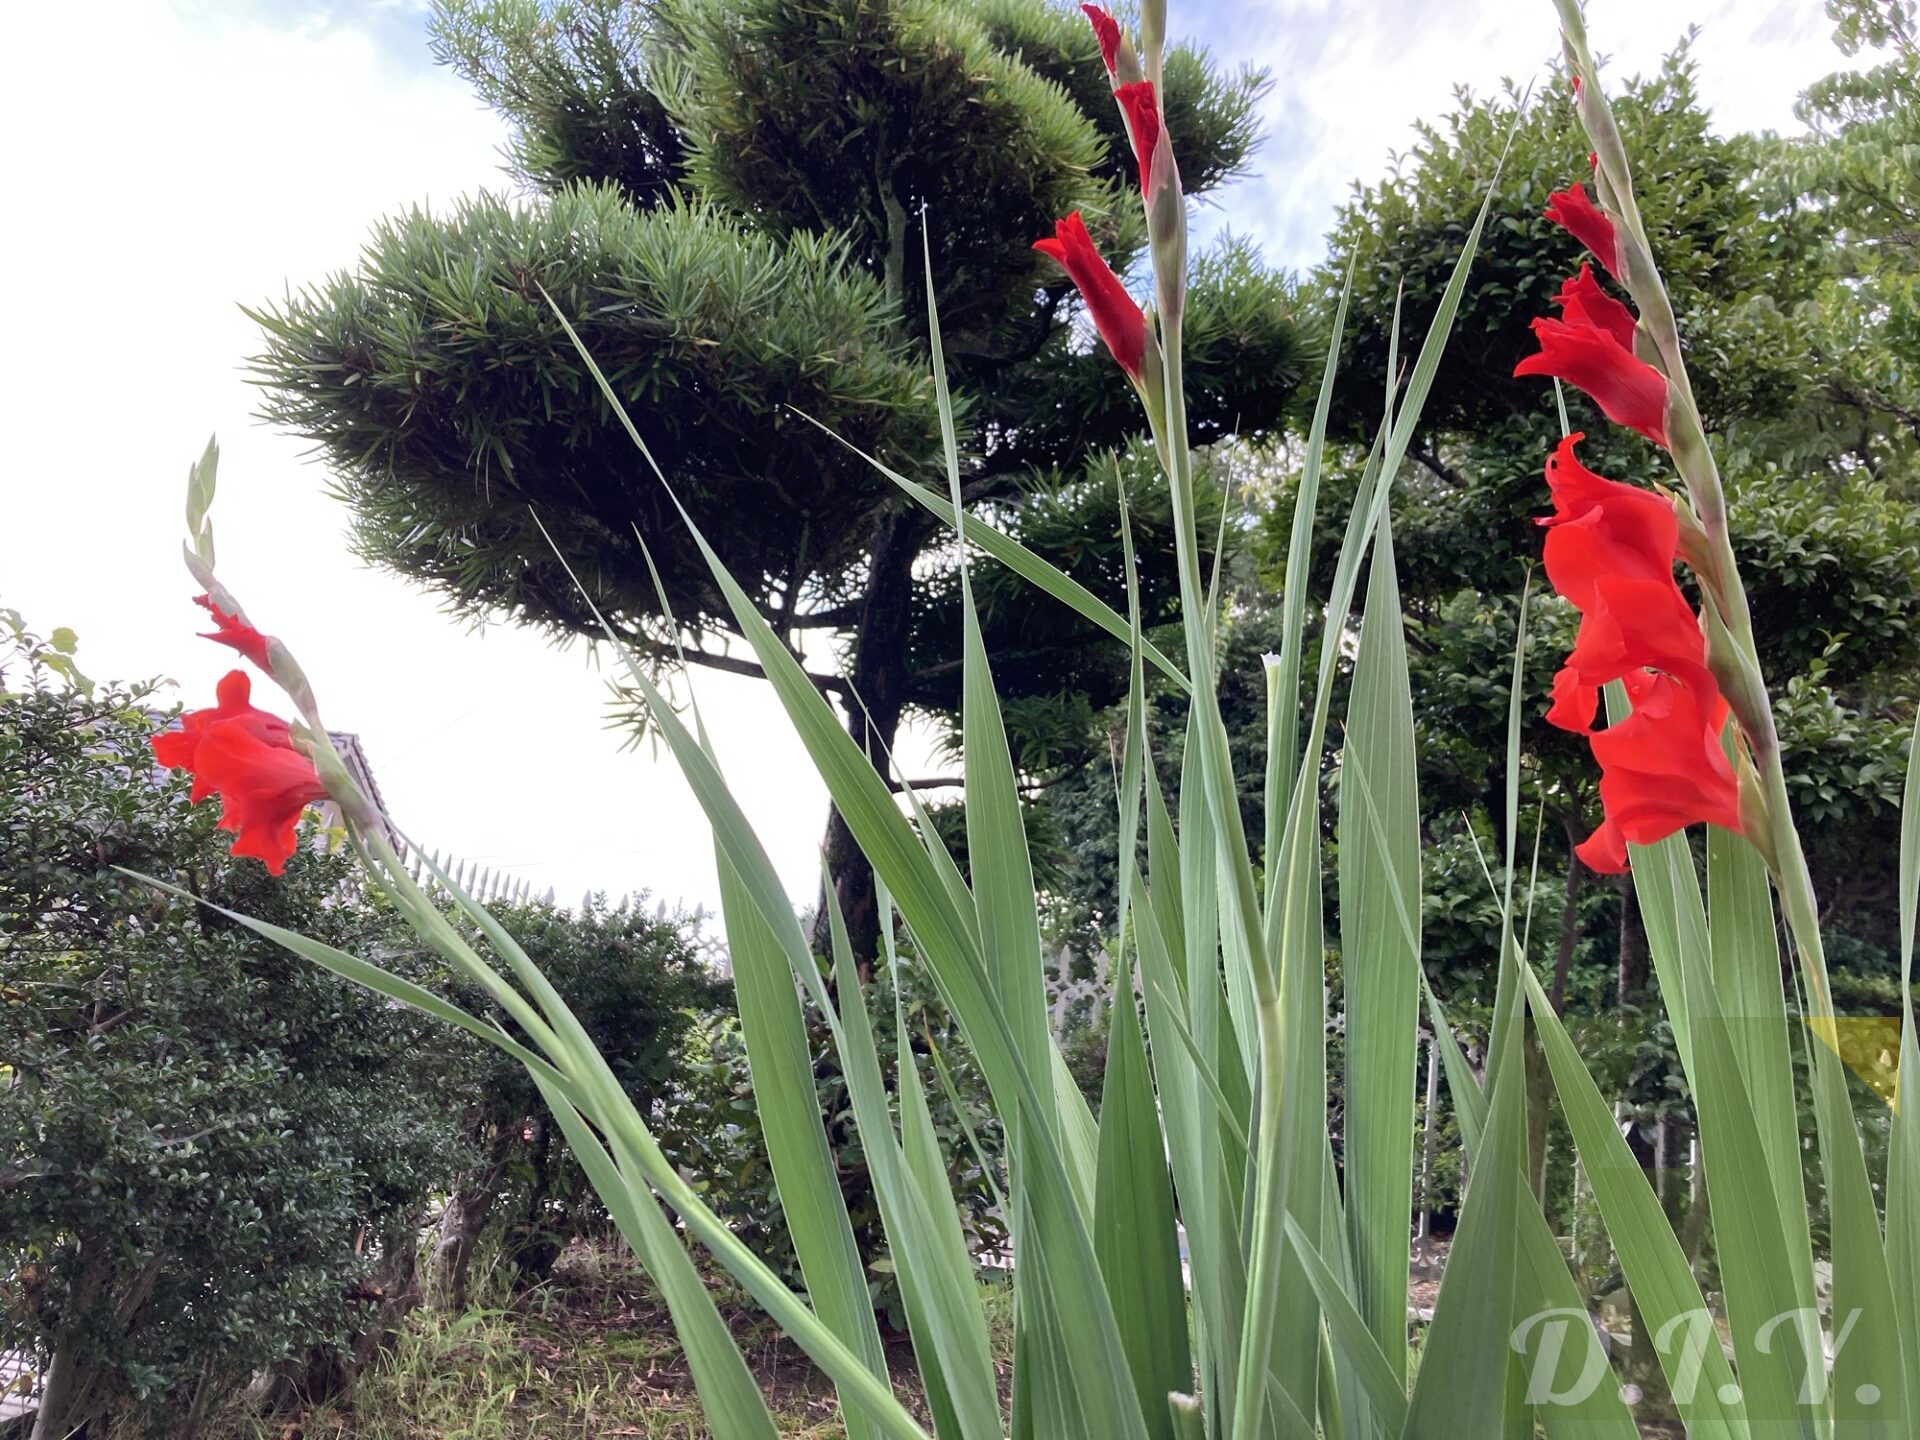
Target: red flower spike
pixel 263 791
pixel 1121 323
pixel 1610 551
pixel 1583 302
pixel 1627 389
pixel 232 630
pixel 1143 119
pixel 1108 30
pixel 247 758
pixel 1573 212
pixel 1661 769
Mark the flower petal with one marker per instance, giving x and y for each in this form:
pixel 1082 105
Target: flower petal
pixel 1628 391
pixel 1116 316
pixel 1573 212
pixel 232 630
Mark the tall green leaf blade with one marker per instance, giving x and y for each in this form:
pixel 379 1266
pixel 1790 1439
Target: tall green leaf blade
pixel 1750 1234
pixel 1379 891
pixel 780 1063
pixel 1469 1097
pixel 1463 1385
pixel 1870 1400
pixel 1135 1232
pixel 1379 1370
pixel 1200 1170
pixel 1283 744
pixel 1079 1132
pixel 1903 1161
pixel 1663 1284
pixel 1165 867
pixel 1289 1139
pixel 1005 902
pixel 730 1397
pixel 1019 559
pixel 918 1211
pixel 1747 977
pixel 1576 1399
pixel 1667 888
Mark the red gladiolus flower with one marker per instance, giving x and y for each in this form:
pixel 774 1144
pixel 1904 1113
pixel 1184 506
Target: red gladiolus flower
pixel 1634 625
pixel 1119 320
pixel 247 758
pixel 1661 769
pixel 176 748
pixel 1610 551
pixel 1573 212
pixel 1627 389
pixel 232 630
pixel 1108 31
pixel 1601 527
pixel 1143 118
pixel 1583 302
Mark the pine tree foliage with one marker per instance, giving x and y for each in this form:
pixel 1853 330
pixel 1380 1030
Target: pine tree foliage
pixel 727 197
pixel 444 387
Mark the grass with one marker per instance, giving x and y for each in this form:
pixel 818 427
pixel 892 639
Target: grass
pixel 589 1355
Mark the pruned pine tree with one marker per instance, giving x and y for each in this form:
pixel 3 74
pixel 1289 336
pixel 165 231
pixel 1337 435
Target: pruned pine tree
pixel 728 198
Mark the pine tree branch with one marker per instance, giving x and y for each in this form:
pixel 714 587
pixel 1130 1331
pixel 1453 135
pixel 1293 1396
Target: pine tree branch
pixel 734 665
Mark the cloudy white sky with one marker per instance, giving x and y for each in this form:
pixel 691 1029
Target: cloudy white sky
pixel 203 154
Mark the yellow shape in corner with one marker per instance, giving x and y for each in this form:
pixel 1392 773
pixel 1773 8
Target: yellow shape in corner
pixel 1870 1047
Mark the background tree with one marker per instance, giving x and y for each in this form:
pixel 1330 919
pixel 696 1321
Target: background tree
pixel 214 1157
pixel 637 983
pixel 1860 167
pixel 217 1160
pixel 728 198
pixel 1793 262
pixel 1822 485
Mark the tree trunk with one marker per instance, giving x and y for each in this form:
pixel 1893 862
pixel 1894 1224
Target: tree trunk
pixel 535 1242
pixel 1577 873
pixel 58 1388
pixel 462 1222
pixel 327 1372
pixel 1635 961
pixel 197 1411
pixel 874 710
pixel 66 1396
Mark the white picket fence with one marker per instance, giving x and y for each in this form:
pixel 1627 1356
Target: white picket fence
pixel 486 884
pixel 18 1385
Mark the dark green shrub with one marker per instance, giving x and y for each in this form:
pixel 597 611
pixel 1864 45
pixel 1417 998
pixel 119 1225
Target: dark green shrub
pixel 712 1129
pixel 637 982
pixel 214 1157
